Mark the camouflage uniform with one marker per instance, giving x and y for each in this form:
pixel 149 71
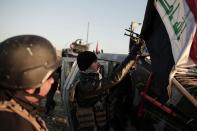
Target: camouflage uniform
pixel 15 115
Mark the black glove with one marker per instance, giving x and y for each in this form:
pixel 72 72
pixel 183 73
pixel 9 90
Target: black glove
pixel 134 46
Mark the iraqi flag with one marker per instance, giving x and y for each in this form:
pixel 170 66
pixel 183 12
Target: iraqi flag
pixel 169 29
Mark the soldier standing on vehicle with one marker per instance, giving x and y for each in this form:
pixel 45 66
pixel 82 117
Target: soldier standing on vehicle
pixel 26 65
pixel 92 86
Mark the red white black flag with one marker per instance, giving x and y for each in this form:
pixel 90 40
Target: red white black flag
pixel 169 29
pixel 179 18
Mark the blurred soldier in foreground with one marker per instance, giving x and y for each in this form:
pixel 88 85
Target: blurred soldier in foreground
pixel 92 111
pixel 26 65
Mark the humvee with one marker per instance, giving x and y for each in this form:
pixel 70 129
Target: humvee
pixel 141 99
pixel 137 106
pixel 145 111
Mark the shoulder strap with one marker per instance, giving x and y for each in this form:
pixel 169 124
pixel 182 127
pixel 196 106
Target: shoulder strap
pixel 36 121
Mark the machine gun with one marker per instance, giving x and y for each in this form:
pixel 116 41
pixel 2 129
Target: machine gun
pixel 136 38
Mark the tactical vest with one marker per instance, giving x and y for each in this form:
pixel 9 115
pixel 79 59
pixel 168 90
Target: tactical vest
pixel 93 116
pixel 13 106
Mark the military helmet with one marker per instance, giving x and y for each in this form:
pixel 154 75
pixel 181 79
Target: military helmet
pixel 26 61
